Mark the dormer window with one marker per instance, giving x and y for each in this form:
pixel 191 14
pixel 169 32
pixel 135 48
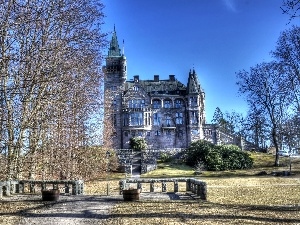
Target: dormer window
pixel 135 88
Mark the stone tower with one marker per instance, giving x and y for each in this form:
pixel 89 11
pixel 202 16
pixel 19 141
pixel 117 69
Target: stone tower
pixel 195 108
pixel 115 75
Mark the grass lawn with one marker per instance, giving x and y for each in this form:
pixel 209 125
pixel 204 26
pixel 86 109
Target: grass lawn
pixel 262 162
pixel 234 197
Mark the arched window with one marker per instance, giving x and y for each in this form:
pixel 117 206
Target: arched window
pixel 167 104
pixel 178 103
pixel 156 104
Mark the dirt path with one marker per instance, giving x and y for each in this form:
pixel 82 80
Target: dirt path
pixel 71 210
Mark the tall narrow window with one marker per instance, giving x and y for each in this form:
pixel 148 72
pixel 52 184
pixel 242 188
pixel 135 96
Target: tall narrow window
pixel 168 121
pixel 194 117
pixel 156 119
pixel 179 118
pixel 136 119
pixel 125 119
pixel 194 101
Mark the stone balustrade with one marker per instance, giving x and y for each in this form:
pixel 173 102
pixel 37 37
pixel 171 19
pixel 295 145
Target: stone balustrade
pixel 13 186
pixel 195 186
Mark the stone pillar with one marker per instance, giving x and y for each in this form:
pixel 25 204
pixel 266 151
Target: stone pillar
pixel 82 188
pixel 122 184
pixel 20 188
pixel 188 185
pixel 152 186
pixel 203 193
pixel 6 188
pixel 67 188
pixel 31 187
pixel 139 186
pixel 198 188
pixel 74 188
pixel 44 186
pixel 1 191
pixel 12 187
pixel 55 186
pixel 163 187
pixel 175 186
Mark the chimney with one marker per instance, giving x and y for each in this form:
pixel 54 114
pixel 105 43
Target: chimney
pixel 172 77
pixel 136 78
pixel 156 78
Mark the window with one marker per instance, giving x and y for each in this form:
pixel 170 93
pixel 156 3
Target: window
pixel 115 119
pixel 136 119
pixel 167 104
pixel 148 133
pixel 140 133
pixel 114 103
pixel 135 88
pixel 194 117
pixel 126 134
pixel 136 103
pixel 168 121
pixel 178 103
pixel 156 104
pixel 156 119
pixel 147 119
pixel 179 118
pixel 168 132
pixel 195 132
pixel 114 88
pixel 194 101
pixel 157 133
pixel 180 133
pixel 125 120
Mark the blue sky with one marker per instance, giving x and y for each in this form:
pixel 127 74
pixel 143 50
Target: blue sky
pixel 216 37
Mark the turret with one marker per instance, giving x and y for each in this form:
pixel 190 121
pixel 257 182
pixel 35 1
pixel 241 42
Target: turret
pixel 193 85
pixel 115 61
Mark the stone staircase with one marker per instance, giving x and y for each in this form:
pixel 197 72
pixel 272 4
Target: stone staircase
pixel 136 163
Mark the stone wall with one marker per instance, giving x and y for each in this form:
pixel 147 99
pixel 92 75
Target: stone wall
pixel 149 158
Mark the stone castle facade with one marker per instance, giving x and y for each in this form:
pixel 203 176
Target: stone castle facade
pixel 166 112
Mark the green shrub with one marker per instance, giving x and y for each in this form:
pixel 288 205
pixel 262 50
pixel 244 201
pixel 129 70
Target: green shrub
pixel 137 143
pixel 218 157
pixel 164 157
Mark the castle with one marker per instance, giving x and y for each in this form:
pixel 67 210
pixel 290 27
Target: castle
pixel 166 112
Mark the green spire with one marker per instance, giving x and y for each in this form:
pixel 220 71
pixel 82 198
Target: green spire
pixel 114 50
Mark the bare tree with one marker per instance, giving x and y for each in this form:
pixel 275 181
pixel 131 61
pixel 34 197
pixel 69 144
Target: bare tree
pixel 291 8
pixel 50 58
pixel 266 91
pixel 255 128
pixel 287 52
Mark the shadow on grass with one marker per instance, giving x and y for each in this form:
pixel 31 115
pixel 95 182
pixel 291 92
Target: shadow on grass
pixel 93 207
pixel 217 215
